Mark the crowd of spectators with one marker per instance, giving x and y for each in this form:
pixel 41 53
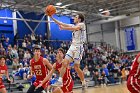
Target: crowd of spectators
pixel 101 63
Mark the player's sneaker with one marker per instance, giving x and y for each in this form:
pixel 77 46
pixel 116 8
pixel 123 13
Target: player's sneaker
pixel 84 88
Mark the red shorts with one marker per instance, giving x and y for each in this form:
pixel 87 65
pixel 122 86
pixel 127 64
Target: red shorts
pixel 1 84
pixel 37 82
pixel 67 86
pixel 133 84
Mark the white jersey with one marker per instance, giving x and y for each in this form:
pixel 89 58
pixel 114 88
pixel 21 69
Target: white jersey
pixel 79 37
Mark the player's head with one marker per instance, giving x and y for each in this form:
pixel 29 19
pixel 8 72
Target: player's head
pixel 60 53
pixel 2 59
pixel 37 51
pixel 79 18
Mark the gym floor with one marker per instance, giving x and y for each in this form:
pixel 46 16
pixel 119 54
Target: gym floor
pixel 106 89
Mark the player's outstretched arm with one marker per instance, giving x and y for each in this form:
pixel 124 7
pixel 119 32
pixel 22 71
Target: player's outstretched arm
pixel 60 23
pixel 47 63
pixel 31 72
pixel 71 28
pixel 47 76
pixel 7 75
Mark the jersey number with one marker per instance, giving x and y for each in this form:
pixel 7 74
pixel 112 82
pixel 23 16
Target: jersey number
pixel 38 72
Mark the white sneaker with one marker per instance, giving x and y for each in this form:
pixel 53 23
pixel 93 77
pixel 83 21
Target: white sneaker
pixel 84 87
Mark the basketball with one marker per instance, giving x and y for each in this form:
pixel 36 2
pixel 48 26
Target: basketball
pixel 50 10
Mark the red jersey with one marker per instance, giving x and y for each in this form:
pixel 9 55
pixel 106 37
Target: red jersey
pixel 135 68
pixel 67 73
pixel 3 69
pixel 39 68
pixel 67 79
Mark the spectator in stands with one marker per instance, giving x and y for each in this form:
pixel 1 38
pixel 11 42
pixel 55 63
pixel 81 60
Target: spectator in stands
pixel 29 46
pixel 27 55
pixel 29 37
pixel 6 43
pixel 33 37
pixel 45 39
pixel 96 77
pixel 24 44
pixel 2 38
pixel 1 45
pixel 105 74
pixel 21 72
pixel 14 52
pixel 110 65
pixel 21 54
pixel 2 51
pixel 16 37
pixel 86 71
pixel 64 46
pixel 37 38
pixel 52 56
pixel 15 64
pixel 40 38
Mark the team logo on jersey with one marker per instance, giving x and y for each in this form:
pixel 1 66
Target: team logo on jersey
pixel 37 67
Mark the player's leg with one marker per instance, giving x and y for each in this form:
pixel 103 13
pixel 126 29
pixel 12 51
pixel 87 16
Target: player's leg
pixel 43 87
pixel 3 90
pixel 62 72
pixel 57 90
pixel 77 58
pixel 79 72
pixel 39 90
pixel 31 89
pixel 64 66
pixel 132 85
pixel 68 58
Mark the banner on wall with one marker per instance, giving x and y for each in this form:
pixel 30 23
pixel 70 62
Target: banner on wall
pixel 130 38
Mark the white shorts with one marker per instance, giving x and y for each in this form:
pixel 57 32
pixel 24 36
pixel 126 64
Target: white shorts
pixel 75 53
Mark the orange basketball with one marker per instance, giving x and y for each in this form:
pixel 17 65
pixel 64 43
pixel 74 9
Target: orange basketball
pixel 50 10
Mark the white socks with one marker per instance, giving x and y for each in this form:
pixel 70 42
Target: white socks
pixel 83 82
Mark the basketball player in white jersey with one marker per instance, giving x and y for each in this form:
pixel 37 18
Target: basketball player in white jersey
pixel 76 49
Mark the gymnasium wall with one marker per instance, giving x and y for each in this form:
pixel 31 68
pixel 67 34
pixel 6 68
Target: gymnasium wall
pixel 24 30
pixel 6 26
pixel 104 32
pixel 127 23
pixel 56 33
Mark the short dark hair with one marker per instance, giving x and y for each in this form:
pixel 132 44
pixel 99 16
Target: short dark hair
pixel 2 56
pixel 81 16
pixel 36 47
pixel 62 50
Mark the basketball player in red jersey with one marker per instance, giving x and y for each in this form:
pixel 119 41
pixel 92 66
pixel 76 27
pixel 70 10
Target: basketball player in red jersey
pixel 133 82
pixel 67 79
pixel 39 67
pixel 3 71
